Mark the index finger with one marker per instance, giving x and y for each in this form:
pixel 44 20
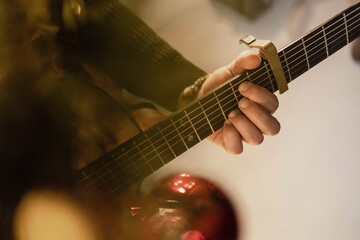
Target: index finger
pixel 246 60
pixel 259 95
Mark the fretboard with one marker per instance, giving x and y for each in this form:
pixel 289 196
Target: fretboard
pixel 137 158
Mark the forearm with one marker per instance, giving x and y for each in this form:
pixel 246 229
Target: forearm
pixel 134 56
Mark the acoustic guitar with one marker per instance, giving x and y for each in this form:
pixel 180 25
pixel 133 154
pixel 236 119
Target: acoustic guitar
pixel 129 163
pixel 137 158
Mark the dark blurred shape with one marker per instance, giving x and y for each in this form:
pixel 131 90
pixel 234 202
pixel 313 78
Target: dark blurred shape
pixel 251 9
pixel 356 49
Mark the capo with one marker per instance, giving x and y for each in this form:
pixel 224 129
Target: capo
pixel 269 53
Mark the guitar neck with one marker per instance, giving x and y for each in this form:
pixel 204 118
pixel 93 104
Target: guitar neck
pixel 137 158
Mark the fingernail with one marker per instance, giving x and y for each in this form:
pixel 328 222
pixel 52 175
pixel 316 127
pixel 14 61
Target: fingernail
pixel 244 102
pixel 227 122
pixel 233 113
pixel 244 86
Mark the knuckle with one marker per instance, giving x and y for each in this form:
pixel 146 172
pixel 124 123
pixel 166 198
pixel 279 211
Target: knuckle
pixel 229 70
pixel 254 90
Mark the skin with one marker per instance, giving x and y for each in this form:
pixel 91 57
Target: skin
pixel 65 218
pixel 253 120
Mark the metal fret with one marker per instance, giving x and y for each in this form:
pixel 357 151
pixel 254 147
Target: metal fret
pixel 149 155
pixel 217 100
pixel 147 171
pixel 297 63
pixel 127 164
pixel 268 72
pixel 167 142
pixel 248 76
pixel 160 144
pixel 287 73
pixel 109 177
pixel 177 130
pixel 137 176
pixel 85 181
pixel 199 121
pixel 98 176
pixel 346 28
pixel 173 137
pixel 154 150
pixel 123 177
pixel 192 125
pixel 213 112
pixel 353 22
pixel 256 75
pixel 306 54
pixel 234 93
pixel 326 44
pixel 186 130
pixel 206 117
pixel 226 100
pixel 336 34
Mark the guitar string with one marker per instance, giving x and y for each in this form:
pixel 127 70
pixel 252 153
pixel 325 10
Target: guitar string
pixel 310 56
pixel 265 73
pixel 336 22
pixel 199 139
pixel 311 38
pixel 152 144
pixel 262 74
pixel 232 106
pixel 172 154
pixel 318 47
pixel 289 63
pixel 299 51
pixel 130 159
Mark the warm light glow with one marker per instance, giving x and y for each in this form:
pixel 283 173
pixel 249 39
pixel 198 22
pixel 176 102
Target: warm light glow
pixel 181 190
pixel 182 183
pixel 76 7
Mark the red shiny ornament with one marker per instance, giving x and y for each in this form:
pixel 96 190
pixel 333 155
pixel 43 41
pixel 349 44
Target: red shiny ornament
pixel 185 207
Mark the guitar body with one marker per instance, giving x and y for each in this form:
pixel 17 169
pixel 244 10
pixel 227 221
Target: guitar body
pixel 183 207
pixel 128 164
pixel 179 207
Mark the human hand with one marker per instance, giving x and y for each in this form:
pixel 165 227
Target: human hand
pixel 254 117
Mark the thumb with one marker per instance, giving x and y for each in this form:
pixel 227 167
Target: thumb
pixel 244 61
